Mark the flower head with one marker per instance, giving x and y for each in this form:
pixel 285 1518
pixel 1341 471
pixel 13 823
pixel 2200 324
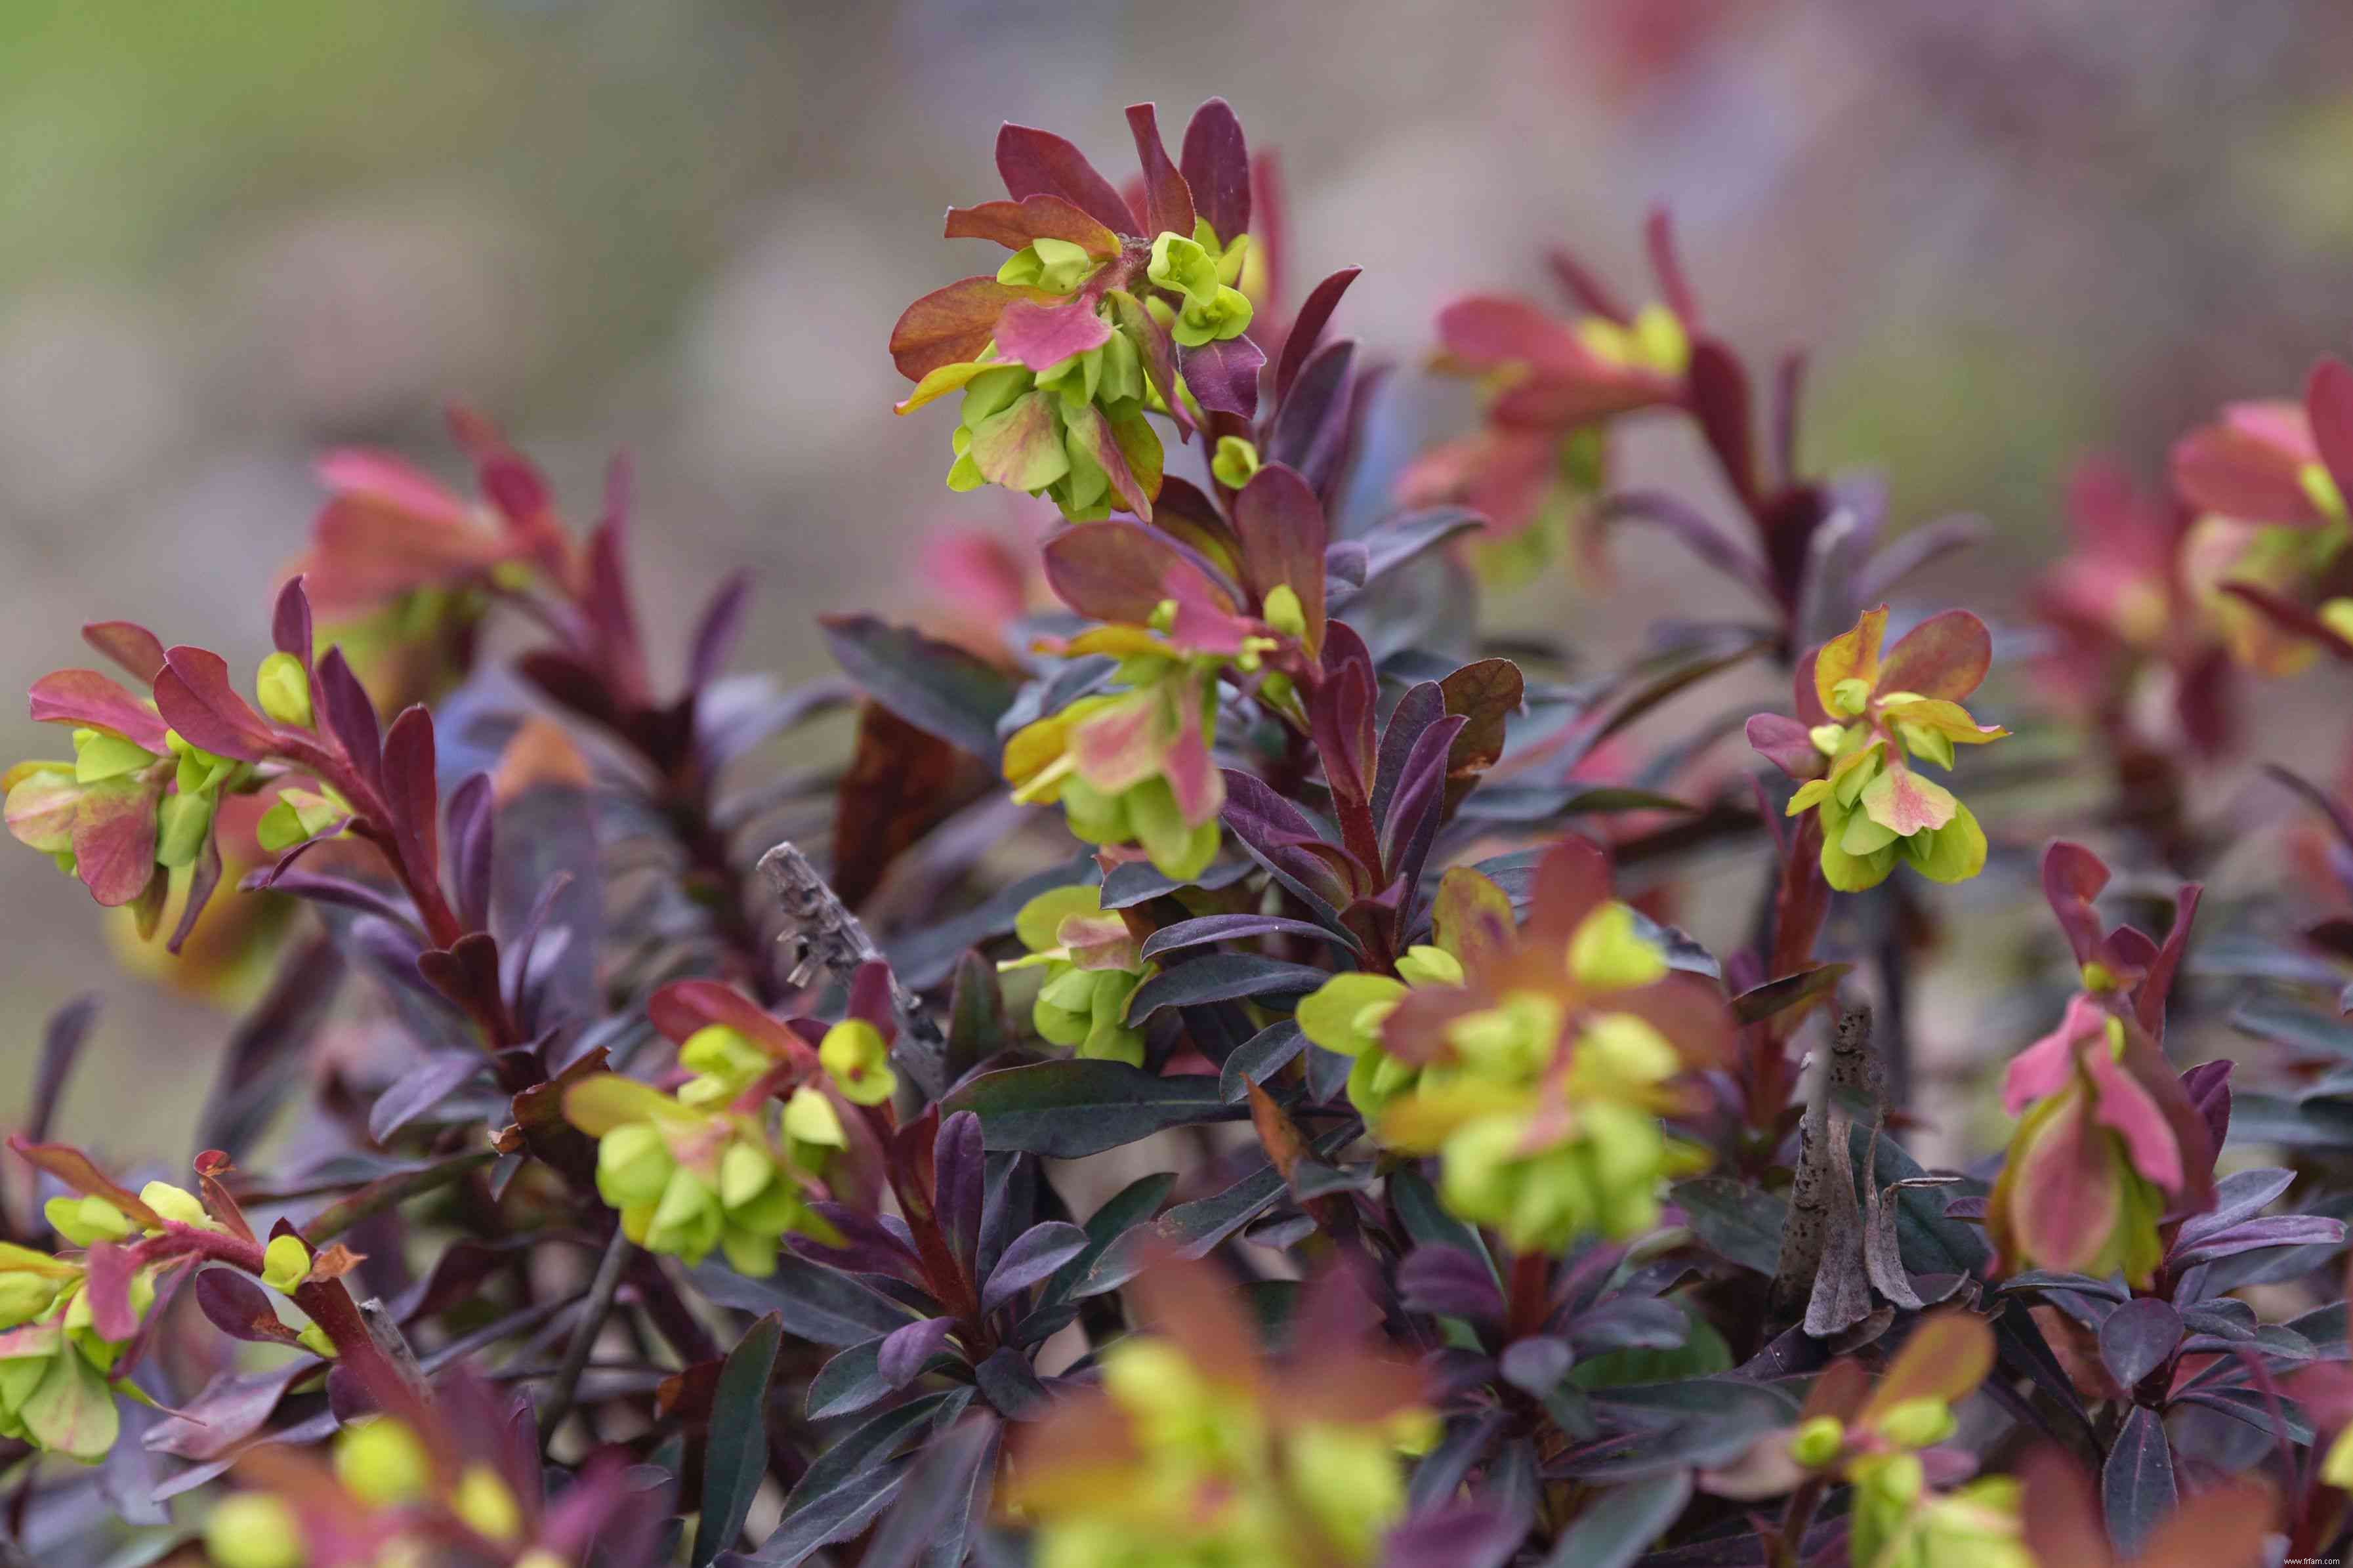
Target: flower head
pixel 1093 968
pixel 1535 1059
pixel 1870 718
pixel 1197 1447
pixel 1107 309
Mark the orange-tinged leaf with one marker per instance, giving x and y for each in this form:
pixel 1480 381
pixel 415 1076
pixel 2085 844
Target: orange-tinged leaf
pixel 1850 656
pixel 1014 224
pixel 1946 656
pixel 950 323
pixel 75 1169
pixel 597 1105
pixel 1946 1357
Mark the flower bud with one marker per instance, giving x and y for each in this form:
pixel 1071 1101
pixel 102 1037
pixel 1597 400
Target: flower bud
pixel 687 1220
pixel 810 1118
pixel 2336 615
pixel 1816 1443
pixel 177 1204
pixel 85 1221
pixel 1917 1423
pixel 1607 953
pixel 633 1164
pixel 487 1505
pixel 1181 266
pixel 383 1463
pixel 284 688
pixel 182 823
pixel 745 1172
pixel 854 1052
pixel 1237 459
pixel 314 1339
pixel 285 1263
pixel 254 1530
pixel 24 1296
pixel 98 756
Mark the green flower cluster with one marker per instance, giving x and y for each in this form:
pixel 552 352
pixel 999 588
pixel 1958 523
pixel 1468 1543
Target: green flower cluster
pixel 1091 970
pixel 697 1171
pixel 1346 1012
pixel 1060 432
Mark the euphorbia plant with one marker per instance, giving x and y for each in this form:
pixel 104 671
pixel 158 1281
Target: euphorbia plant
pixel 1469 1211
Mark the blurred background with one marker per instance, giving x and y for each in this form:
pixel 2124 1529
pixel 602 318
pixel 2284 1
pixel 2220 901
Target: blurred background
pixel 237 232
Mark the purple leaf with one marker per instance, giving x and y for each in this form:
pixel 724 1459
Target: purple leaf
pixel 418 1090
pixel 1121 571
pixel 2208 1085
pixel 1224 376
pixel 2240 1195
pixel 906 1351
pixel 1481 1533
pixel 204 880
pixel 1168 199
pixel 1710 544
pixel 290 623
pixel 1032 1258
pixel 351 717
pixel 61 1042
pixel 230 1408
pixel 411 793
pixel 1719 396
pixel 1307 330
pixel 241 1309
pixel 2137 1337
pixel 1423 705
pixel 1232 928
pixel 1311 428
pixel 716 630
pixel 194 694
pixel 2137 1484
pixel 959 1171
pixel 472 835
pixel 1038 162
pixel 1217 168
pixel 2254 1235
pixel 1412 822
pixel 1341 713
pixel 1448 1282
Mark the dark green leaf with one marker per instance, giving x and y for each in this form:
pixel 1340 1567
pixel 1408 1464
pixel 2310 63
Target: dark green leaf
pixel 1619 1524
pixel 1083 1106
pixel 1737 1221
pixel 1125 1210
pixel 936 687
pixel 1258 1059
pixel 736 1455
pixel 1221 977
pixel 818 1304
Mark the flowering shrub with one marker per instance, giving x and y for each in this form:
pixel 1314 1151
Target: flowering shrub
pixel 590 1189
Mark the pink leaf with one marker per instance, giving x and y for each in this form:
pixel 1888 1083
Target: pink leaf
pixel 2329 399
pixel 2226 470
pixel 1043 336
pixel 114 840
pixel 85 697
pixel 1488 331
pixel 110 1268
pixel 2048 1066
pixel 2129 1108
pixel 1786 743
pixel 2066 1190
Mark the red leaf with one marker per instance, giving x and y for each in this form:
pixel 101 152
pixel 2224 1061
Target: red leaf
pixel 128 644
pixel 1946 656
pixel 1168 199
pixel 196 698
pixel 1217 168
pixel 114 840
pixel 1038 162
pixel 87 697
pixel 1283 534
pixel 1119 571
pixel 1014 224
pixel 75 1169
